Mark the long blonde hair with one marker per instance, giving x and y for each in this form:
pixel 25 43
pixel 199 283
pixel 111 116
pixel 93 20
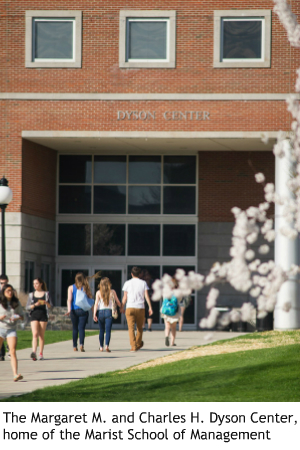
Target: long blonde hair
pixel 82 281
pixel 105 290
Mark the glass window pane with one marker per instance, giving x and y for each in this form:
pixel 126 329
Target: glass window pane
pixel 75 199
pixel 53 39
pixel 110 169
pixel 171 270
pixel 179 200
pixel 242 39
pixel 144 200
pixel 74 239
pixel 67 279
pixel 179 240
pixel 143 240
pixel 109 199
pixel 144 169
pixel 45 273
pixel 149 274
pixel 109 239
pixel 147 40
pixel 75 169
pixel 179 169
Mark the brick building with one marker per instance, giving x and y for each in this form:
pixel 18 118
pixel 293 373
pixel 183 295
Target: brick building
pixel 130 129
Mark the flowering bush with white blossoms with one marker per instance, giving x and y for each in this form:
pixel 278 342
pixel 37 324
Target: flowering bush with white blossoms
pixel 262 280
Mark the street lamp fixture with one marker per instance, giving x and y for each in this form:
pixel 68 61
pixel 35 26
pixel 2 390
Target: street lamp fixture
pixel 5 198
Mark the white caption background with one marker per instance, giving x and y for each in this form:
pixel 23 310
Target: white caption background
pixel 133 432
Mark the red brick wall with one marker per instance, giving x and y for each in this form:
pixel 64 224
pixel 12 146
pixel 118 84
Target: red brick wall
pixel 100 70
pixel 38 180
pixel 226 179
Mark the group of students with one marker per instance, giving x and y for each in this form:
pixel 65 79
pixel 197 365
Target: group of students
pixel 135 294
pixel 133 304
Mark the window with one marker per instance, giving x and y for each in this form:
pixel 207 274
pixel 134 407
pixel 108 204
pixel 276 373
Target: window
pixel 140 185
pixel 53 39
pixel 147 39
pixel 29 276
pixel 74 239
pixel 45 274
pixel 242 38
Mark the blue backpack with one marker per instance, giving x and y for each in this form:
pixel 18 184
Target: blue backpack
pixel 169 306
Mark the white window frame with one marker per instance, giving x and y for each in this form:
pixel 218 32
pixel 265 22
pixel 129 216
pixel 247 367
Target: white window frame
pixel 242 15
pixel 160 16
pixel 46 16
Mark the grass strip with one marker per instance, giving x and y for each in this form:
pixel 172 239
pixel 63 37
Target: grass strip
pixel 265 375
pixel 51 337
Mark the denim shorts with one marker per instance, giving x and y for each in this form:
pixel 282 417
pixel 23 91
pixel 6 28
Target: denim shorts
pixel 4 333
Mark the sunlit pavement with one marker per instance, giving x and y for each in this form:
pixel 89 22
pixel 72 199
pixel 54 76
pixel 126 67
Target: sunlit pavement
pixel 62 365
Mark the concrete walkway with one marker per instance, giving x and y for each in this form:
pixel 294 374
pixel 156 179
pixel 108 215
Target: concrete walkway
pixel 62 365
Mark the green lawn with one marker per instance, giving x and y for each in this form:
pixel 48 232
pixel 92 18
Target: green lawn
pixel 264 375
pixel 51 337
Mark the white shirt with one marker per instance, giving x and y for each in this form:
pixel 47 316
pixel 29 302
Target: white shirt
pixel 135 289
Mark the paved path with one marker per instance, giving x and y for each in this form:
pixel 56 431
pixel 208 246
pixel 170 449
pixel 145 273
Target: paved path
pixel 62 365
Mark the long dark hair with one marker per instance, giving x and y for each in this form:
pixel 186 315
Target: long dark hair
pixel 3 300
pixel 42 282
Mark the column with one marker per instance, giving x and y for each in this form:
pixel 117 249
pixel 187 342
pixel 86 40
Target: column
pixel 286 250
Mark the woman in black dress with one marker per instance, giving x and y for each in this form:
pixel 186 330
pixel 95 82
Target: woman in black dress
pixel 38 303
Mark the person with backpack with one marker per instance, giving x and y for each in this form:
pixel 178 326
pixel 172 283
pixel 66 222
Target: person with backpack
pixel 38 304
pixel 171 314
pixel 79 316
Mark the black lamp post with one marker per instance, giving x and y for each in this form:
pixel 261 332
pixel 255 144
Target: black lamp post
pixel 5 197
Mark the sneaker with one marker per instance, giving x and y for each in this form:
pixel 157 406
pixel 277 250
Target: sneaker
pixel 82 349
pixel 41 357
pixel 33 356
pixel 8 355
pixel 167 341
pixel 133 349
pixel 149 329
pixel 2 358
pixel 140 346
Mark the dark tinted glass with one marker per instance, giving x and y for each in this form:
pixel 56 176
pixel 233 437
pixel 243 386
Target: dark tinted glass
pixel 54 40
pixel 67 279
pixel 149 274
pixel 115 277
pixel 179 240
pixel 110 169
pixel 179 200
pixel 143 240
pixel 144 169
pixel 171 270
pixel 75 199
pixel 75 169
pixel 109 199
pixel 147 40
pixel 242 39
pixel 109 239
pixel 179 169
pixel 74 239
pixel 144 200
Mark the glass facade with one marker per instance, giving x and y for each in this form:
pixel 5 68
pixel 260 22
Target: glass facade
pixel 121 211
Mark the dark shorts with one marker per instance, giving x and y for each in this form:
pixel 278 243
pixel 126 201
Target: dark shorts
pixel 40 316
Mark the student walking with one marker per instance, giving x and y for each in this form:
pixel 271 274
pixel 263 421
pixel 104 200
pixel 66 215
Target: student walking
pixel 38 304
pixel 10 312
pixel 171 315
pixel 105 298
pixel 78 316
pixel 135 291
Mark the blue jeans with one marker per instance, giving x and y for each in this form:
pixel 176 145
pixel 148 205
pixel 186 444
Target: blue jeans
pixel 105 324
pixel 79 320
